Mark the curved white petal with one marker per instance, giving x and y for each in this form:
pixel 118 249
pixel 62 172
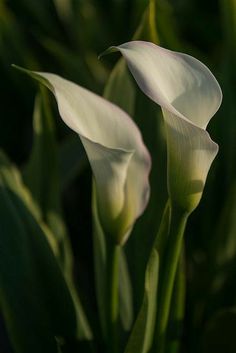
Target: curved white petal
pixel 190 155
pixel 115 150
pixel 189 96
pixel 179 82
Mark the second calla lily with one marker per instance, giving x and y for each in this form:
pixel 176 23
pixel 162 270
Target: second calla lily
pixel 189 96
pixel 119 160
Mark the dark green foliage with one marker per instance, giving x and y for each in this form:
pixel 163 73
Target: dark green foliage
pixel 41 278
pixel 32 284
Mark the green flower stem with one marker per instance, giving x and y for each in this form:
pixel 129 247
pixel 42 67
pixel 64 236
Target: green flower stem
pixel 163 232
pixel 113 296
pixel 168 270
pixel 175 329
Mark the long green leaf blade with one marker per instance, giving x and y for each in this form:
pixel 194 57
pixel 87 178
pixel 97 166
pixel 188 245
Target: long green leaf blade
pixel 141 337
pixel 35 300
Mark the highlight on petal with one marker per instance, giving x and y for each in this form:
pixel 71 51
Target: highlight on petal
pixel 119 159
pixel 189 96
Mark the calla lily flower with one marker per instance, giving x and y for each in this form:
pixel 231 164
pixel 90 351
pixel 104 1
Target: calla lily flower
pixel 119 159
pixel 189 96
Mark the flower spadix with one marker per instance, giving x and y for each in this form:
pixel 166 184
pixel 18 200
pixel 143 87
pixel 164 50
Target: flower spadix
pixel 189 96
pixel 119 159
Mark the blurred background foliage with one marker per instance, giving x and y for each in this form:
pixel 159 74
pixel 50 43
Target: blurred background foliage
pixel 66 37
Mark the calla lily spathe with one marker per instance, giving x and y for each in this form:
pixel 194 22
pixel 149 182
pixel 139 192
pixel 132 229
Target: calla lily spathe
pixel 119 159
pixel 189 96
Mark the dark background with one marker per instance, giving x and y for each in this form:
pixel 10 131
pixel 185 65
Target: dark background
pixel 41 35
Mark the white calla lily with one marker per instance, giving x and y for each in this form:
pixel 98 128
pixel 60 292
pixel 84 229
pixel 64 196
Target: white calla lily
pixel 119 159
pixel 189 96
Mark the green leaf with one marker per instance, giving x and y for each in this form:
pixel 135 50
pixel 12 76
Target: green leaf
pixel 42 177
pixel 120 88
pixel 141 337
pixel 12 178
pixel 35 300
pixel 41 174
pixel 167 26
pixel 147 28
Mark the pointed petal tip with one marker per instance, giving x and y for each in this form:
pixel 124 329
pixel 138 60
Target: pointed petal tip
pixel 109 50
pixel 30 73
pixel 20 68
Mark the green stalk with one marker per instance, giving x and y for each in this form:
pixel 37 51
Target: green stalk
pixel 168 270
pixel 163 232
pixel 175 326
pixel 113 296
